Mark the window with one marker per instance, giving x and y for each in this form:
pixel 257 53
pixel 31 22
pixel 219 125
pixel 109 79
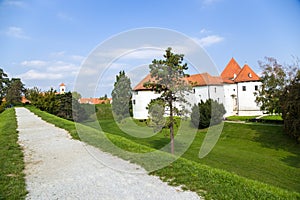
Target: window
pixel 194 91
pixel 218 100
pixel 244 88
pixel 256 87
pixel 215 90
pixel 233 89
pixel 133 101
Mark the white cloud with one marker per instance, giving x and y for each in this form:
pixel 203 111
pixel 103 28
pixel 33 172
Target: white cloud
pixel 16 32
pixel 35 75
pixel 33 63
pixel 61 66
pixel 209 40
pixel 14 3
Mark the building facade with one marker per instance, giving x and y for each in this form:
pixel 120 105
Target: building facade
pixel 235 88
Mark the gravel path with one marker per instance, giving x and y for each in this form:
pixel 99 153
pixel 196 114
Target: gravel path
pixel 58 167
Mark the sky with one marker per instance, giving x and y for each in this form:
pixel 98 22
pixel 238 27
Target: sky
pixel 47 42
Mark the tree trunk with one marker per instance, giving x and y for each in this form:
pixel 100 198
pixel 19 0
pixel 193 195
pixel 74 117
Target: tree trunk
pixel 171 127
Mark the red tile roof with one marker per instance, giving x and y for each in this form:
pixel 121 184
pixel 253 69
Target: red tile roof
pixel 246 74
pixel 94 101
pixel 140 85
pixel 204 79
pixel 62 84
pixel 231 68
pixel 232 73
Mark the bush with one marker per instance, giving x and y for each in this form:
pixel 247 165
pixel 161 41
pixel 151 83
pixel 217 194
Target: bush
pixel 3 105
pixel 207 113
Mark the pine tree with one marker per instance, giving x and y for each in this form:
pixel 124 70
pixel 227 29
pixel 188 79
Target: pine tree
pixel 121 96
pixel 169 82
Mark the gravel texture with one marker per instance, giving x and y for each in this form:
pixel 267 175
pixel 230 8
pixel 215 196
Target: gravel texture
pixel 58 167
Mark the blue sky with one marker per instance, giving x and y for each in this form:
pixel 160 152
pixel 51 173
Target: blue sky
pixel 45 42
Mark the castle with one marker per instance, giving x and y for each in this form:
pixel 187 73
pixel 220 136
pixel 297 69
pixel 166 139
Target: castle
pixel 235 88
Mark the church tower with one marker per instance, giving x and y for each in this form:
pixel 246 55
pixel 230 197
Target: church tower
pixel 62 88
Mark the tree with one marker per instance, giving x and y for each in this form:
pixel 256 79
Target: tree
pixel 121 96
pixel 3 84
pixel 76 95
pixel 168 75
pixel 273 82
pixel 15 91
pixel 156 110
pixel 33 95
pixel 290 103
pixel 207 113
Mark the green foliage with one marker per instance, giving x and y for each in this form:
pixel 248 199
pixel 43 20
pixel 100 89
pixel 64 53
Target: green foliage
pixel 156 110
pixel 3 106
pixel 121 95
pixel 207 113
pixel 4 81
pixel 12 181
pixel 62 105
pixel 275 78
pixel 104 111
pixel 14 91
pixel 33 95
pixel 76 95
pixel 168 77
pixel 291 108
pixel 206 181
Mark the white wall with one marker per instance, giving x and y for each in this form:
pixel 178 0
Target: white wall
pixel 230 102
pixel 246 99
pixel 140 100
pixel 235 100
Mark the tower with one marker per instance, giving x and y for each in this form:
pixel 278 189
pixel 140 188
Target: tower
pixel 62 88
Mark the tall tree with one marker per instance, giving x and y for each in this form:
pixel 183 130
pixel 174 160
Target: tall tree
pixel 290 102
pixel 3 84
pixel 275 77
pixel 15 91
pixel 273 80
pixel 33 95
pixel 121 96
pixel 168 75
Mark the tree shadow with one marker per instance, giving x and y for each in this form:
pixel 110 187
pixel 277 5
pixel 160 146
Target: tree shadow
pixel 273 137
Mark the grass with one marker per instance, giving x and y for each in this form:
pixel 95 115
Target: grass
pixel 240 118
pixel 12 181
pixel 272 117
pixel 207 181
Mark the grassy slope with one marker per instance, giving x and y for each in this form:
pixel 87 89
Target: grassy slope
pixel 207 181
pixel 12 182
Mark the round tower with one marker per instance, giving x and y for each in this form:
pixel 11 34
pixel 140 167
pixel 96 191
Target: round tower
pixel 62 88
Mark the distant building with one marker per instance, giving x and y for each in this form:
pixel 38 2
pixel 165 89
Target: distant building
pixel 234 88
pixel 62 88
pixel 94 101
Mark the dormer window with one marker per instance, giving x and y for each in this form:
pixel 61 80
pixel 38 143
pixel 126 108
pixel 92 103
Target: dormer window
pixel 250 75
pixel 234 76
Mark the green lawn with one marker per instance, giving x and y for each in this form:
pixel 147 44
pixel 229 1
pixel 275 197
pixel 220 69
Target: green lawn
pixel 256 152
pixel 12 182
pixel 259 152
pixel 240 118
pixel 273 117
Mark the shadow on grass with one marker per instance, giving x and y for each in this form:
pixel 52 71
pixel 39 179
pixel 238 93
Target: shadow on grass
pixel 273 137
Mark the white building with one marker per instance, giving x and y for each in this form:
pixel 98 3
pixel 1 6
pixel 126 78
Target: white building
pixel 234 88
pixel 62 88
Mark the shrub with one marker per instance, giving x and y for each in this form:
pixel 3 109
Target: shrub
pixel 207 113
